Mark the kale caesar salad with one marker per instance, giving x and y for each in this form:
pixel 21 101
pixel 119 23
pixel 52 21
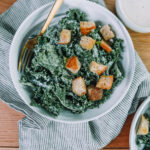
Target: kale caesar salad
pixel 75 66
pixel 143 133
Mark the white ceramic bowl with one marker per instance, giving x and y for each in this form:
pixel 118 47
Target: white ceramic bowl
pixel 135 124
pixel 33 24
pixel 128 22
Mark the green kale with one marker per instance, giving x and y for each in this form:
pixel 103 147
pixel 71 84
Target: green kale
pixel 51 83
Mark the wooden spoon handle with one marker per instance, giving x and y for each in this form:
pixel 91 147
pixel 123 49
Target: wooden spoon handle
pixel 51 15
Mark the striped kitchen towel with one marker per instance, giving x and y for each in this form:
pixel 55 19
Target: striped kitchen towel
pixel 38 133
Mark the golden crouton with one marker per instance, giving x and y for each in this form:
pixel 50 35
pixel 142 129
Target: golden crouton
pixel 105 82
pixel 73 64
pixel 86 27
pixel 87 42
pixel 65 36
pixel 106 32
pixel 143 127
pixel 97 68
pixel 94 93
pixel 79 86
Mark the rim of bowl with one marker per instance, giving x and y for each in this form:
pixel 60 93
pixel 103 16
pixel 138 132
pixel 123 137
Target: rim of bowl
pixel 114 105
pixel 128 22
pixel 135 119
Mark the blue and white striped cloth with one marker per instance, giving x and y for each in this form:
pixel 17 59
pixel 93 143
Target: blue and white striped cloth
pixel 38 133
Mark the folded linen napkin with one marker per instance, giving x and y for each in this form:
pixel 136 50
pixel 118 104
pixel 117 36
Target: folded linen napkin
pixel 38 133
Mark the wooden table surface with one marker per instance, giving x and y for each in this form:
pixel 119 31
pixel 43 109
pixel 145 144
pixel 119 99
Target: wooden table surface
pixel 9 117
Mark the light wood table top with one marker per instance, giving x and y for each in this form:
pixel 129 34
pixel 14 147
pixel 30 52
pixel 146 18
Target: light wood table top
pixel 9 117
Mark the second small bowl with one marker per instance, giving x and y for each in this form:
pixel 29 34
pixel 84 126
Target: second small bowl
pixel 135 124
pixel 130 24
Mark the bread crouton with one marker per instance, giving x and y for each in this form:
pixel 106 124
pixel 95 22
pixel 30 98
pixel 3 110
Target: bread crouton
pixel 105 46
pixel 73 64
pixel 105 82
pixel 79 86
pixel 94 93
pixel 86 27
pixel 97 68
pixel 107 33
pixel 87 42
pixel 65 36
pixel 143 127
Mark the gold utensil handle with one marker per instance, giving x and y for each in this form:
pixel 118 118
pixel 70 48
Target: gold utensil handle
pixel 51 15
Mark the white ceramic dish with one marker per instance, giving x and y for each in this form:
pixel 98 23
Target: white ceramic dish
pixel 135 124
pixel 96 12
pixel 128 22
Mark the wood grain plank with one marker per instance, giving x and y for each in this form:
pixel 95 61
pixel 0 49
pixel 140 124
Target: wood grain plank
pixel 9 148
pixel 5 4
pixel 142 45
pixel 111 5
pixel 8 126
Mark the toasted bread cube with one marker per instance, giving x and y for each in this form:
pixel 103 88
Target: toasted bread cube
pixel 73 64
pixel 65 36
pixel 86 27
pixel 107 33
pixel 87 42
pixel 94 93
pixel 105 46
pixel 143 127
pixel 105 82
pixel 97 68
pixel 79 86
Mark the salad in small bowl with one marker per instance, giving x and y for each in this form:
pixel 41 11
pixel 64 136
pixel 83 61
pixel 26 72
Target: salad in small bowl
pixel 140 128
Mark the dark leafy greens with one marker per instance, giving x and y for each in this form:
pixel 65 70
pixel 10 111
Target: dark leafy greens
pixel 47 77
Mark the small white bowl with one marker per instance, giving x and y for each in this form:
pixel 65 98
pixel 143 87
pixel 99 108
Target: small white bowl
pixel 135 124
pixel 130 24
